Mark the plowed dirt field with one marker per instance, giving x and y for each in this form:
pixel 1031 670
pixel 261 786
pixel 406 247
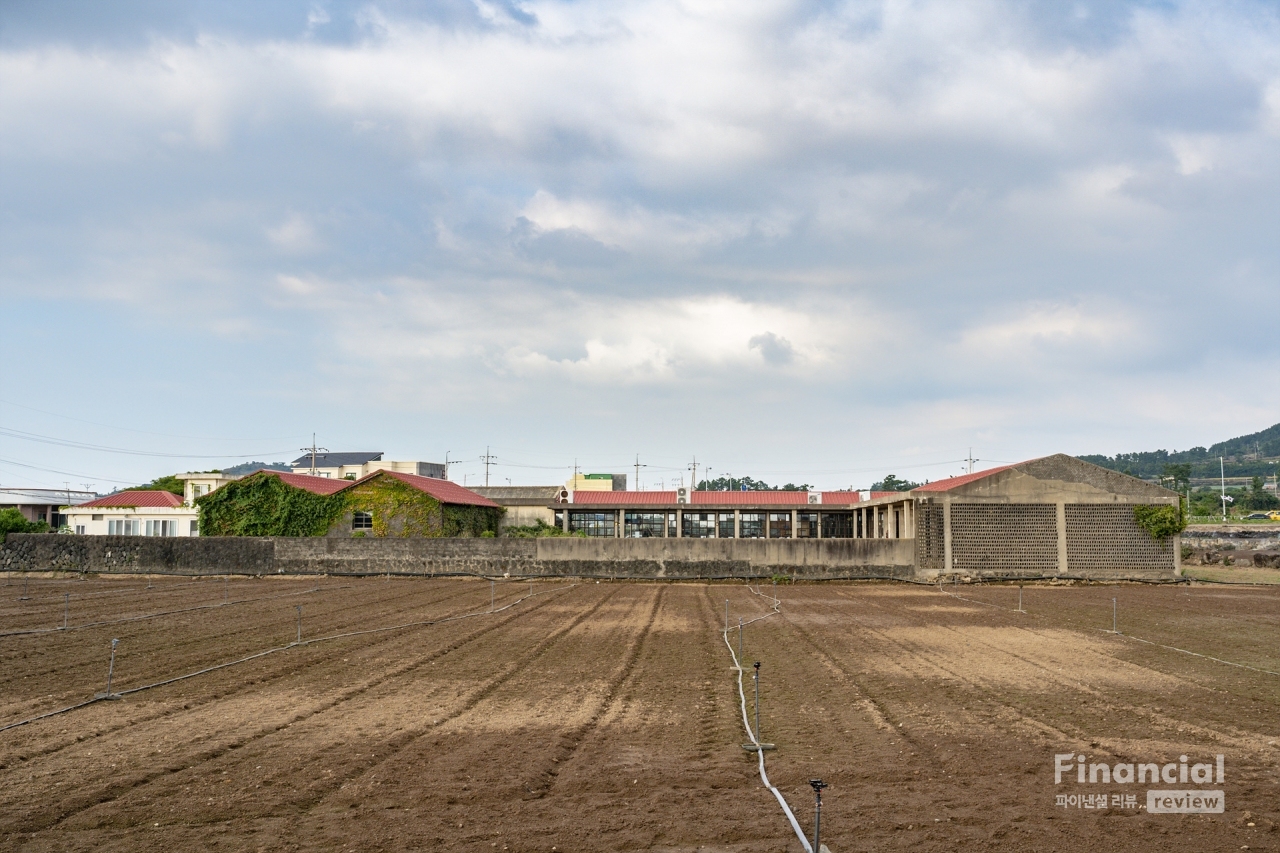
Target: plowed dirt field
pixel 605 716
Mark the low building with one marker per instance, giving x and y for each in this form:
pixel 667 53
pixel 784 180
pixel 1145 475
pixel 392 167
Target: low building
pixel 597 483
pixel 383 503
pixel 134 513
pixel 525 505
pixel 685 514
pixel 354 465
pixel 200 483
pixel 43 504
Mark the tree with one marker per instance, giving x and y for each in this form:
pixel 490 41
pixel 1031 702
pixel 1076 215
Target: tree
pixel 167 483
pixel 892 484
pixel 1260 498
pixel 1178 475
pixel 734 484
pixel 13 521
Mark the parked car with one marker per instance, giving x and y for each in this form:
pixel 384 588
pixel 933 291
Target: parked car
pixel 1260 516
pixel 1274 515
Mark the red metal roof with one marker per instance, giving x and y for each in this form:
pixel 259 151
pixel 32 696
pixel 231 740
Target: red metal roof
pixel 841 497
pixel 315 485
pixel 138 499
pixel 760 498
pixel 655 498
pixel 964 479
pixel 445 491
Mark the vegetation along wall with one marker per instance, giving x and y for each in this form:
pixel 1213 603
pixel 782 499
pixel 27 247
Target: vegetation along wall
pixel 264 505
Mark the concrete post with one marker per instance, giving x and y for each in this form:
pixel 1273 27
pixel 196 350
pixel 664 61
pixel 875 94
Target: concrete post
pixel 737 524
pixel 946 534
pixel 1062 537
pixel 679 524
pixel 793 524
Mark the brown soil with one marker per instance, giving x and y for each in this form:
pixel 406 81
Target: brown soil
pixel 605 716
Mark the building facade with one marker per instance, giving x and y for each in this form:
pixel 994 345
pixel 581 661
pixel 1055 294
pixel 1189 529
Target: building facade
pixel 134 513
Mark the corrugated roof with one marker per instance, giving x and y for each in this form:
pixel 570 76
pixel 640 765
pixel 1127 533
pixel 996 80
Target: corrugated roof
pixel 655 498
pixel 760 498
pixel 442 490
pixel 502 494
pixel 315 485
pixel 334 460
pixel 138 499
pixel 841 497
pixel 962 480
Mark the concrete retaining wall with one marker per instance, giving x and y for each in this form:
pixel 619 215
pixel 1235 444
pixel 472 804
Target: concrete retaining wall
pixel 600 558
pixel 623 558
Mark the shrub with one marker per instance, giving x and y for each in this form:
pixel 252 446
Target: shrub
pixel 1160 522
pixel 13 521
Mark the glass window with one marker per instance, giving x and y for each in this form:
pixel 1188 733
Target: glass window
pixel 195 528
pixel 699 525
pixel 751 525
pixel 725 525
pixel 79 529
pixel 160 528
pixel 806 525
pixel 837 525
pixel 671 525
pixel 639 525
pixel 592 523
pixel 361 520
pixel 97 516
pixel 779 525
pixel 559 522
pixel 122 527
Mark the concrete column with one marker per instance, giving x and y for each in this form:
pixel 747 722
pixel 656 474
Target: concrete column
pixel 946 533
pixel 793 524
pixel 679 524
pixel 618 518
pixel 819 524
pixel 1062 538
pixel 564 518
pixel 737 524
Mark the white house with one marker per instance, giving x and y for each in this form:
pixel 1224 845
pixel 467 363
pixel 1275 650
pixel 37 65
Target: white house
pixel 134 513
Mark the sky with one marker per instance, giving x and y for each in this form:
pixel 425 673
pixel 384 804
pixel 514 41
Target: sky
pixel 799 241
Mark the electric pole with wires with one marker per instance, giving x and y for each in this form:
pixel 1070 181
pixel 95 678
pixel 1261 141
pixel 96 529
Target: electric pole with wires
pixel 313 450
pixel 488 460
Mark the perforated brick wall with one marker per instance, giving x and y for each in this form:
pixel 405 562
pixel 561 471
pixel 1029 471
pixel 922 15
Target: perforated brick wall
pixel 1004 538
pixel 1107 537
pixel 930 537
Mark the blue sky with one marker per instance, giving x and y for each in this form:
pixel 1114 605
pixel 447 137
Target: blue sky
pixel 802 241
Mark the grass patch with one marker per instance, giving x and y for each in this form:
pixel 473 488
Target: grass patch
pixel 1244 574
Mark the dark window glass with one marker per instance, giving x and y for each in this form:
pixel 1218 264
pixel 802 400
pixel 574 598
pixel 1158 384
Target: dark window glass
pixel 779 525
pixel 837 525
pixel 592 523
pixel 751 525
pixel 699 525
pixel 644 524
pixel 806 525
pixel 725 525
pixel 361 520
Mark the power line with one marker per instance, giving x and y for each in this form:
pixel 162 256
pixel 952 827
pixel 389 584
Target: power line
pixel 127 429
pixel 98 448
pixel 64 473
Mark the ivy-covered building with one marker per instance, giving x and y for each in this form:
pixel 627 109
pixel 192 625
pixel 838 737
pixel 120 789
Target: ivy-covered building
pixel 382 504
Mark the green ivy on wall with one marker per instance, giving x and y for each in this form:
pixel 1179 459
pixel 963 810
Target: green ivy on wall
pixel 1160 521
pixel 264 505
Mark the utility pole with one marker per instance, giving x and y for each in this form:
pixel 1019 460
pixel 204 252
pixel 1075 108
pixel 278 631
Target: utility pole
pixel 488 460
pixel 446 463
pixel 636 485
pixel 313 450
pixel 970 460
pixel 1222 478
pixel 693 484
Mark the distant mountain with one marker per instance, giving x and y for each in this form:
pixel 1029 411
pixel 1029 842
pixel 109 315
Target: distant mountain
pixel 1253 455
pixel 250 467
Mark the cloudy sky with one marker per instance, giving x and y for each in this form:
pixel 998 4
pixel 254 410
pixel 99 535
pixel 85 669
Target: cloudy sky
pixel 801 241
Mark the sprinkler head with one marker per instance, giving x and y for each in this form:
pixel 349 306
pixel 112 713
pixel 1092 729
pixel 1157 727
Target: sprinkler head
pixel 757 666
pixel 818 785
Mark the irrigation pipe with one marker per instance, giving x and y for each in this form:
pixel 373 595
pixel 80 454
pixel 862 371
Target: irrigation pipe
pixel 33 631
pixel 1129 637
pixel 746 724
pixel 272 651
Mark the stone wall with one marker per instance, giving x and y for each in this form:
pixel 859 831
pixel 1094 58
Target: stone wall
pixel 179 555
pixel 621 558
pixel 1232 545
